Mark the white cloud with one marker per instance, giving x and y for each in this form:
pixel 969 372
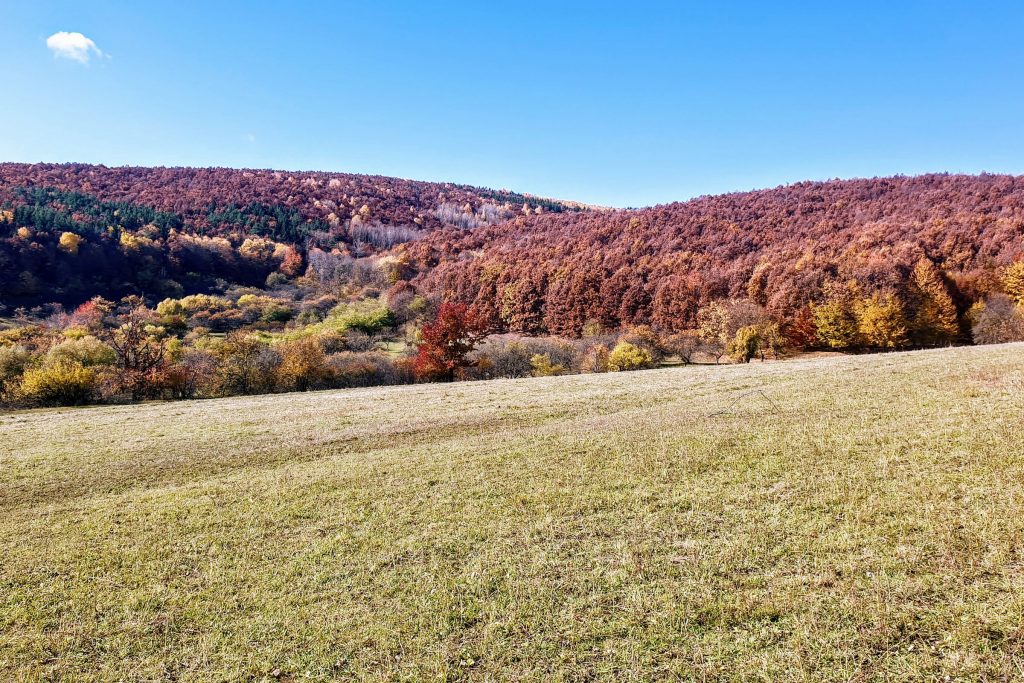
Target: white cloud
pixel 73 45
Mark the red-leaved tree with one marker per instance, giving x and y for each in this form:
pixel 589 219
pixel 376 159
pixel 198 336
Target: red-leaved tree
pixel 447 342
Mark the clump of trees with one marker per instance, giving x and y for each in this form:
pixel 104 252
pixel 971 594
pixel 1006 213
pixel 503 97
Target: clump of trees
pixel 106 352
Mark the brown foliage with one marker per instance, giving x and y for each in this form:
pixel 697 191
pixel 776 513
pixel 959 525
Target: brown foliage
pixel 660 266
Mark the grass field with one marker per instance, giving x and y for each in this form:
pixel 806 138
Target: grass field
pixel 832 519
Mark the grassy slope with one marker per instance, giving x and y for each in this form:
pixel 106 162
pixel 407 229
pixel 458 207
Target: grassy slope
pixel 828 519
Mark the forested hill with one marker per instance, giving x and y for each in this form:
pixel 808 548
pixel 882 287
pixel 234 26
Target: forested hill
pixel 330 198
pixel 782 248
pixel 69 232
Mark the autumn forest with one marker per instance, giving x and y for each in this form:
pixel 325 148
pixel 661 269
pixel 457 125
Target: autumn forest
pixel 132 283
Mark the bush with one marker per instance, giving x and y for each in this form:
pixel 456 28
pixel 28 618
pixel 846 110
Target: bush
pixel 368 317
pixel 303 365
pixel 61 384
pixel 756 341
pixel 245 365
pixel 276 313
pixel 13 361
pixel 510 356
pixel 998 321
pixel 745 344
pixel 501 358
pixel 86 351
pixel 194 373
pixel 543 367
pixel 595 359
pixel 645 338
pixel 626 356
pixel 357 340
pixel 365 370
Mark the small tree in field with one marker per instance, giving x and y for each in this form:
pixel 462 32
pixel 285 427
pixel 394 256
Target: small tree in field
pixel 447 342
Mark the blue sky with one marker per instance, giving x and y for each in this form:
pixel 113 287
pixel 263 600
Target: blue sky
pixel 624 104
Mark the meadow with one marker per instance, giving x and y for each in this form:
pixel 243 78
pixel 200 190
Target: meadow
pixel 845 518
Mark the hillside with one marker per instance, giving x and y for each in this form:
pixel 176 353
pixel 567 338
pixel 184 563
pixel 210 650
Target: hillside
pixel 157 232
pixel 778 247
pixel 530 265
pixel 327 197
pixel 835 519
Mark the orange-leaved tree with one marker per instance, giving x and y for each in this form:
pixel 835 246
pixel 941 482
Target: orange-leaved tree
pixel 447 342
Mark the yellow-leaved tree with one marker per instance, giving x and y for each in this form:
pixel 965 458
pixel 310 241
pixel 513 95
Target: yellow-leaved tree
pixel 626 356
pixel 69 242
pixel 882 321
pixel 835 321
pixel 934 319
pixel 1012 280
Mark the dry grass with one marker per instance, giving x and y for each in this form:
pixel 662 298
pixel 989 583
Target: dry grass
pixel 833 519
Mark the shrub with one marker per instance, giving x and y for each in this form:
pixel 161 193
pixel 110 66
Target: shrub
pixel 61 384
pixel 255 301
pixel 998 321
pixel 13 361
pixel 596 359
pixel 365 369
pixel 561 352
pixel 645 338
pixel 303 365
pixel 510 356
pixel 331 341
pixel 626 356
pixel 276 313
pixel 309 316
pixel 543 367
pixel 503 358
pixel 720 320
pixel 192 304
pixel 369 317
pixel 87 351
pixel 245 365
pixel 745 345
pixel 357 340
pixel 194 373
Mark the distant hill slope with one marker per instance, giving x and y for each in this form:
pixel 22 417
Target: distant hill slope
pixel 329 197
pixel 778 247
pixel 530 264
pixel 164 231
